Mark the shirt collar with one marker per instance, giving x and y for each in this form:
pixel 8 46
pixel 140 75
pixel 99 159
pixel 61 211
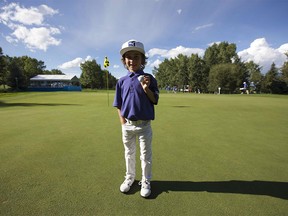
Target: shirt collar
pixel 131 74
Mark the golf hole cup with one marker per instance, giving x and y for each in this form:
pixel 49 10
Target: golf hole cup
pixel 141 78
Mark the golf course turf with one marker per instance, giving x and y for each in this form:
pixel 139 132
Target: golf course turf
pixel 61 154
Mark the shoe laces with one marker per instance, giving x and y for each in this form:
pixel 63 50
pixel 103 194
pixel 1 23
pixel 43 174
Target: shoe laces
pixel 128 181
pixel 145 183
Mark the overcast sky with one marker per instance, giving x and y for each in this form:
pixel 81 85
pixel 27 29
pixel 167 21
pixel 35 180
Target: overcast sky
pixel 65 33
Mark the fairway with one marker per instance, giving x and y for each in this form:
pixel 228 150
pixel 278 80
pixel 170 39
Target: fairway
pixel 61 154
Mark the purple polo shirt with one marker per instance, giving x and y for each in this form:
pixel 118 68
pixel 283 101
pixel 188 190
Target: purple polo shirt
pixel 131 99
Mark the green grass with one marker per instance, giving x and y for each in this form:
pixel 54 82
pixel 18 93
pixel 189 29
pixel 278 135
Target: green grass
pixel 61 154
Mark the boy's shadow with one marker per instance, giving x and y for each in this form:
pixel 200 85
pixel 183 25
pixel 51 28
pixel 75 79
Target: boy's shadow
pixel 266 188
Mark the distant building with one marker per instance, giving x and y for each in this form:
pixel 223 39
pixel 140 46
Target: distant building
pixel 55 83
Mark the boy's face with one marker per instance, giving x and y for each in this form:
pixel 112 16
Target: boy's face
pixel 133 60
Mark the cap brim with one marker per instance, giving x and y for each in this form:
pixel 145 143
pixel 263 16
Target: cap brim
pixel 127 49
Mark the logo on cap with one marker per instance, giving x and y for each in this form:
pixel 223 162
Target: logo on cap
pixel 132 43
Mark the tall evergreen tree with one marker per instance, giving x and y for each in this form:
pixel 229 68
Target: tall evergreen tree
pixel 271 83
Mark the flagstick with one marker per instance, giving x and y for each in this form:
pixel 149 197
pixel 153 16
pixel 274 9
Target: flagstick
pixel 106 65
pixel 108 87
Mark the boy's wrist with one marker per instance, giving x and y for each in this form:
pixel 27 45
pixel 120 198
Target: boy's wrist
pixel 122 120
pixel 145 88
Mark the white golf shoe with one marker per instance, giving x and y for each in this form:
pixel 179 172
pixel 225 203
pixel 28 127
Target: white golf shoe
pixel 125 186
pixel 145 188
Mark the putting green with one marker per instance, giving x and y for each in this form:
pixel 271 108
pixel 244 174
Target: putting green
pixel 61 154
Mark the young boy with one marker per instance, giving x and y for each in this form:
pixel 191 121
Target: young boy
pixel 136 95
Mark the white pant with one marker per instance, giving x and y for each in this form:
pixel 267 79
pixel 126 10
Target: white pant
pixel 142 130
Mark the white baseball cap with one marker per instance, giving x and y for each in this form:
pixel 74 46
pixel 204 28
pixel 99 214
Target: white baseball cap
pixel 132 45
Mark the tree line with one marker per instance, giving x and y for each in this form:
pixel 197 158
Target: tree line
pixel 220 67
pixel 15 73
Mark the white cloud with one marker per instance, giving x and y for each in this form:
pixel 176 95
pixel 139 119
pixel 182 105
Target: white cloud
pixel 179 11
pixel 263 54
pixel 27 16
pixel 211 44
pixel 174 52
pixel 46 10
pixel 283 48
pixel 116 66
pixel 75 63
pixel 11 40
pixel 71 64
pixel 36 38
pixel 183 50
pixel 28 26
pixel 156 63
pixel 156 51
pixel 88 58
pixel 203 26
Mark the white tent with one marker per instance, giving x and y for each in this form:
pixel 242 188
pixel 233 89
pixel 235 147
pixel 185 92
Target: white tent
pixel 45 82
pixel 54 78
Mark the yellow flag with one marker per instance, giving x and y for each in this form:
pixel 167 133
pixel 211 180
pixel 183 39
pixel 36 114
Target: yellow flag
pixel 106 62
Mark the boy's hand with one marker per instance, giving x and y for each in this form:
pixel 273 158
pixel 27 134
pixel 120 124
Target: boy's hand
pixel 145 83
pixel 122 120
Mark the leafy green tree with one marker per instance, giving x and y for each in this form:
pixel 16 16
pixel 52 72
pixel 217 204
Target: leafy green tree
pixel 284 75
pixel 56 72
pixel 220 54
pixel 92 75
pixel 198 73
pixel 194 71
pixel 211 55
pixel 16 79
pixel 284 71
pixel 181 71
pixel 31 68
pixel 111 80
pixel 255 74
pixel 165 73
pixel 226 76
pixel 3 69
pixel 21 69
